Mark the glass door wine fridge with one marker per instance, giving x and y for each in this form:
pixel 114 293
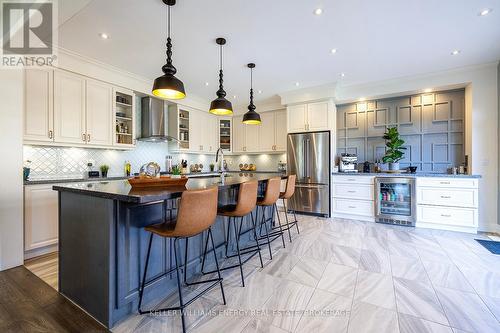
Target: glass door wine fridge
pixel 395 200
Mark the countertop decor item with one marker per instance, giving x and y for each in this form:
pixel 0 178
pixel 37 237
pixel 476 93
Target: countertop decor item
pixel 176 171
pixel 221 106
pixel 394 152
pixel 26 170
pixel 212 167
pixel 168 86
pixel 251 117
pixel 162 181
pixel 150 170
pixel 104 170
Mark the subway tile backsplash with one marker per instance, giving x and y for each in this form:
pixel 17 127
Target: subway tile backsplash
pixel 68 162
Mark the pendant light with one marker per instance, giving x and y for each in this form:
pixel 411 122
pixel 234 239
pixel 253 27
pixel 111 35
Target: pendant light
pixel 221 106
pixel 251 117
pixel 168 86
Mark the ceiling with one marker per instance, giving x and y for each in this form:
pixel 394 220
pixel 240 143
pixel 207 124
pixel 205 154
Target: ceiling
pixel 375 40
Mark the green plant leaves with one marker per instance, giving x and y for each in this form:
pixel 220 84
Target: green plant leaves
pixel 394 143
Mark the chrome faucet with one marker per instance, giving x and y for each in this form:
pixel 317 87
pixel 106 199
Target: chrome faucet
pixel 220 165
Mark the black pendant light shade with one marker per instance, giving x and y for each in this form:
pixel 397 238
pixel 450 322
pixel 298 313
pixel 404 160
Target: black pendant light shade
pixel 168 86
pixel 251 117
pixel 221 106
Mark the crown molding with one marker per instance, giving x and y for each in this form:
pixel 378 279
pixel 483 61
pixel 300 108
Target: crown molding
pixel 309 94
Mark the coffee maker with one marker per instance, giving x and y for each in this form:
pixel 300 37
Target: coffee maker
pixel 348 163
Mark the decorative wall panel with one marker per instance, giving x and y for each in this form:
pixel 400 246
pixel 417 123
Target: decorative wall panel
pixel 432 126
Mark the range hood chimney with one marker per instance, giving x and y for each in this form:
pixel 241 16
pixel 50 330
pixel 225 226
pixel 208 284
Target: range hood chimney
pixel 154 126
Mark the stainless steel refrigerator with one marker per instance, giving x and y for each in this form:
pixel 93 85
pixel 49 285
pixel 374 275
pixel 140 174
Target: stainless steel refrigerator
pixel 308 157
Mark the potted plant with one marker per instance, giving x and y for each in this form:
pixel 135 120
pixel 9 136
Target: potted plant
pixel 104 170
pixel 212 167
pixel 176 171
pixel 394 152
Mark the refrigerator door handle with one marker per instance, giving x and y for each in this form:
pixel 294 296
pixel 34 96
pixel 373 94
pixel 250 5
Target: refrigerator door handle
pixel 308 158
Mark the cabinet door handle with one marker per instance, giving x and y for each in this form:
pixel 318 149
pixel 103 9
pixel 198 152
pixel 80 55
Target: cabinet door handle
pixel 51 134
pixel 444 183
pixel 84 137
pixel 445 215
pixel 445 197
pixel 88 137
pixel 351 191
pixel 352 207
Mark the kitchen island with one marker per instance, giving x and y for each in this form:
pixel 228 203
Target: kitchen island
pixel 103 245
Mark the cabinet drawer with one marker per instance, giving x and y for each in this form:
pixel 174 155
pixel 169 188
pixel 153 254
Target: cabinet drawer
pixel 447 182
pixel 354 191
pixel 353 207
pixel 353 179
pixel 466 217
pixel 458 197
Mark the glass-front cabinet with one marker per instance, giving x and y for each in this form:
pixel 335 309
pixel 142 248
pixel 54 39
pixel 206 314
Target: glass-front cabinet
pixel 395 200
pixel 225 127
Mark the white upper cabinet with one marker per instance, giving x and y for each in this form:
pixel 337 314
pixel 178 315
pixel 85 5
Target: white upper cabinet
pixel 39 116
pixel 308 117
pixel 99 115
pixel 252 138
pixel 297 118
pixel 317 116
pixel 196 120
pixel 266 131
pixel 69 108
pixel 268 137
pixel 238 134
pixel 63 108
pixel 280 131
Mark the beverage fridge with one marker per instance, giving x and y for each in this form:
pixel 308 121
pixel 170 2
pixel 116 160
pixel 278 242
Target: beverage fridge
pixel 395 200
pixel 308 157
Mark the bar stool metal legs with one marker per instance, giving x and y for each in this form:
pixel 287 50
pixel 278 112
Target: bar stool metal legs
pixel 239 251
pixel 182 304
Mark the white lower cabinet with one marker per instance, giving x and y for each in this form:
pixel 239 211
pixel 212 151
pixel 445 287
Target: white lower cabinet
pixel 41 220
pixel 353 197
pixel 445 203
pixel 353 207
pixel 448 204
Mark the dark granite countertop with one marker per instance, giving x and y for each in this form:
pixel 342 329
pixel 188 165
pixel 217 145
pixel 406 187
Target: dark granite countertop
pixel 121 189
pixel 418 174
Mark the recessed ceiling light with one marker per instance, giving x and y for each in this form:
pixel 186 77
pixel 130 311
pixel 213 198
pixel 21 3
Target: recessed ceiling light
pixel 427 90
pixel 297 84
pixel 206 83
pixel 333 51
pixel 260 91
pixel 104 35
pixel 318 11
pixel 455 52
pixel 342 74
pixel 234 96
pixel 485 12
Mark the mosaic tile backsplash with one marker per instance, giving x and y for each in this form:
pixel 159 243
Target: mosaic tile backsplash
pixel 64 162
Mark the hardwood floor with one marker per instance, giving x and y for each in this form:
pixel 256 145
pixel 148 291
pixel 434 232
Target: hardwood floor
pixel 27 304
pixel 45 267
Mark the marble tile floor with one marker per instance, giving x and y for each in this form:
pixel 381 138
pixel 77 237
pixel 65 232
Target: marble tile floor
pixel 343 275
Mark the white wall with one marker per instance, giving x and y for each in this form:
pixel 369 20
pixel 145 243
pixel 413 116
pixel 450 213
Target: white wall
pixel 11 188
pixel 481 140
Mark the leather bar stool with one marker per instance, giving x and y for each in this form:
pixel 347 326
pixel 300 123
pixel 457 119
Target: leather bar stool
pixel 289 191
pixel 270 198
pixel 197 212
pixel 246 202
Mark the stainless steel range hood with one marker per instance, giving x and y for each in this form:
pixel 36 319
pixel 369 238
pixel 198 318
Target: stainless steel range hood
pixel 154 126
